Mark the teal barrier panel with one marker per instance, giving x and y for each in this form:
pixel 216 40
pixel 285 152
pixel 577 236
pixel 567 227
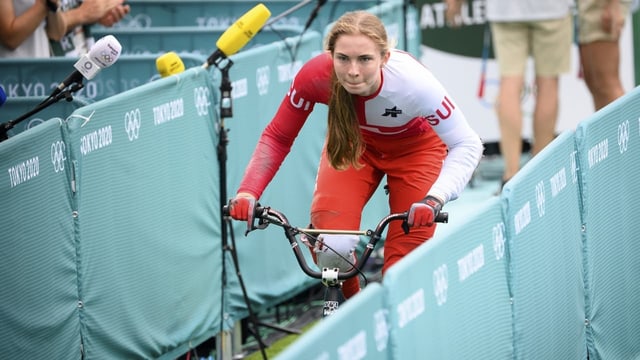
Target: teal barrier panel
pixel 221 14
pixel 148 214
pixel 28 77
pixel 260 79
pixel 609 151
pixel 543 223
pixel 16 107
pixel 191 40
pixel 449 298
pixel 358 330
pixel 39 304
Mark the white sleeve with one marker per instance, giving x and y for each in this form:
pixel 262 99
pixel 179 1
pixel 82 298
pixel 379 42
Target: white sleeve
pixel 464 153
pixel 465 150
pixel 464 145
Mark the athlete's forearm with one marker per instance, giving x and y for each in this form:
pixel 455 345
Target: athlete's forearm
pixel 458 167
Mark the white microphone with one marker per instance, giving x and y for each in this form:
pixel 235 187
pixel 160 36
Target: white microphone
pixel 102 54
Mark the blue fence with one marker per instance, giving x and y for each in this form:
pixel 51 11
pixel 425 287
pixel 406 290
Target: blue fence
pixel 455 285
pixel 544 231
pixel 607 161
pixel 544 271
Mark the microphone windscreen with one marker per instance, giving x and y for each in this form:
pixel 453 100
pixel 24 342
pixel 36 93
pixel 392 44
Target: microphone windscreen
pixel 169 64
pixel 105 51
pixel 243 30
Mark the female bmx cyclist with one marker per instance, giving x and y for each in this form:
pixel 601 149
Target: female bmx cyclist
pixel 387 115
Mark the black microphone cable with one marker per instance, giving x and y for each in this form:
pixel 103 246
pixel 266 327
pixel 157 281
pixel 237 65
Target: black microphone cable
pixel 313 15
pixel 307 25
pixel 270 25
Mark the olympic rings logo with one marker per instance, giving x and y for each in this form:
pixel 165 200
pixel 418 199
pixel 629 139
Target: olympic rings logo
pixel 540 198
pixel 106 57
pixel 132 124
pixel 58 156
pixel 574 166
pixel 441 284
pixel 262 80
pixel 201 97
pixel 623 137
pixel 381 331
pixel 499 240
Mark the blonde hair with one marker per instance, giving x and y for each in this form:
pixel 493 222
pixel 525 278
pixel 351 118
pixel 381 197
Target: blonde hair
pixel 344 140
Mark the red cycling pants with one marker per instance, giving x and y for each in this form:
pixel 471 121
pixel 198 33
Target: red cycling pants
pixel 411 166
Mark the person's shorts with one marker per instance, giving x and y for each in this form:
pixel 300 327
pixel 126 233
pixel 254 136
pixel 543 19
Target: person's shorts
pixel 589 20
pixel 547 41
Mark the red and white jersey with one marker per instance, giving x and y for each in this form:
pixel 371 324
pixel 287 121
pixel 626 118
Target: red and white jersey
pixel 410 101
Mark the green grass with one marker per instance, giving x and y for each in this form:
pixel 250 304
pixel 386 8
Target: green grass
pixel 279 345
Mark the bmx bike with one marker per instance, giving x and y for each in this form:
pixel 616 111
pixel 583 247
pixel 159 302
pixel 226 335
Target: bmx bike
pixel 331 278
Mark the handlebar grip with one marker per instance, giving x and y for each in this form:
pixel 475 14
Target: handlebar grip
pixel 443 217
pixel 226 208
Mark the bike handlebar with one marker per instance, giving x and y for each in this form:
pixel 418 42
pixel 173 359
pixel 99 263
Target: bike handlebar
pixel 266 215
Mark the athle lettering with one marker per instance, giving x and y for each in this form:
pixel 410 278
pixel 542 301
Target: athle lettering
pixel 442 113
pixel 299 103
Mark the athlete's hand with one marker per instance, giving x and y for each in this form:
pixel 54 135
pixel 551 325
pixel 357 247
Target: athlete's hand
pixel 424 212
pixel 241 207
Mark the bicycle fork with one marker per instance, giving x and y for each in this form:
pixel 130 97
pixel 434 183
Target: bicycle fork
pixel 333 295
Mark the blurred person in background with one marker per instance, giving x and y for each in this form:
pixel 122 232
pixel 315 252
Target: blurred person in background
pixel 600 23
pixel 523 29
pixel 79 16
pixel 27 25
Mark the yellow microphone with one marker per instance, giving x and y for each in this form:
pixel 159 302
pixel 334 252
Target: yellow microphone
pixel 239 34
pixel 169 64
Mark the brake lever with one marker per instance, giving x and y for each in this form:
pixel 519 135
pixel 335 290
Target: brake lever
pixel 405 226
pixel 262 219
pixel 262 224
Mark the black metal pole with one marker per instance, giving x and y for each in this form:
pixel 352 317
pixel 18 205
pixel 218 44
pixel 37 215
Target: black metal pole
pixel 226 110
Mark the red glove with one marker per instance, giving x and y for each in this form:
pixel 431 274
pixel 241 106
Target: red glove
pixel 424 212
pixel 242 207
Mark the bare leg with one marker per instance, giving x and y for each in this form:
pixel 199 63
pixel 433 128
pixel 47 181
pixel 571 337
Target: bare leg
pixel 509 111
pixel 600 63
pixel 545 114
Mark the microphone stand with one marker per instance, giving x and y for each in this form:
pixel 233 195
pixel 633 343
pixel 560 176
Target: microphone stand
pixel 4 128
pixel 226 111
